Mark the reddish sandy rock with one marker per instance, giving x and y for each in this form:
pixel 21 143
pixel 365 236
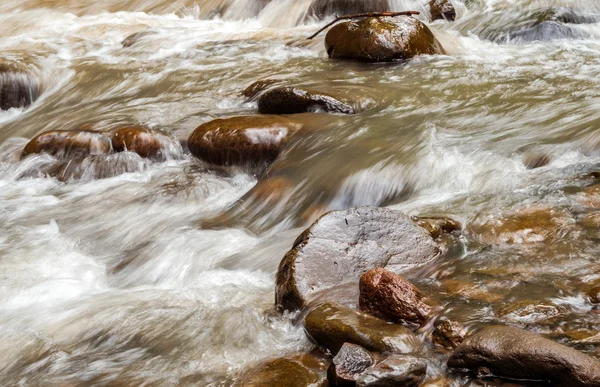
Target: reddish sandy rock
pixel 145 142
pixel 387 295
pixel 442 9
pixel 244 140
pixel 68 144
pixel 381 39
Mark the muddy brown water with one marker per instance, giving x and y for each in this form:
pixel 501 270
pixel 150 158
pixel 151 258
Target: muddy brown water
pixel 166 273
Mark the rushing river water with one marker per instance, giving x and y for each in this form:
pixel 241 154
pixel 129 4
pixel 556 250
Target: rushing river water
pixel 165 274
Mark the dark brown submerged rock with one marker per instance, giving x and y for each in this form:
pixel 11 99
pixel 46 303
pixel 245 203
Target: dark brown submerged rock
pixel 387 295
pixel 396 370
pixel 348 364
pixel 341 246
pixel 331 325
pixel 381 39
pixel 442 9
pixel 448 334
pixel 17 89
pixel 145 142
pixel 294 371
pixel 258 88
pixel 290 100
pixel 518 354
pixel 68 144
pixel 253 140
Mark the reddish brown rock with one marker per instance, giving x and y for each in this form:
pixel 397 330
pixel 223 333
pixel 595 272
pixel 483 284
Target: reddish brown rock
pixel 291 100
pixel 258 88
pixel 68 144
pixel 442 9
pixel 303 370
pixel 244 140
pixel 437 225
pixel 448 334
pixel 386 295
pixel 381 39
pixel 145 142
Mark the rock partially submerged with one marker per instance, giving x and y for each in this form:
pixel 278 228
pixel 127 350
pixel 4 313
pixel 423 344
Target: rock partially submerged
pixel 17 89
pixel 348 364
pixel 331 325
pixel 437 225
pixel 68 144
pixel 442 9
pixel 258 88
pixel 244 140
pixel 448 334
pixel 388 296
pixel 302 370
pixel 396 370
pixel 290 100
pixel 145 142
pixel 341 246
pixel 381 40
pixel 518 354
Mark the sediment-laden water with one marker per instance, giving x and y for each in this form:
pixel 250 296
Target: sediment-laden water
pixel 164 275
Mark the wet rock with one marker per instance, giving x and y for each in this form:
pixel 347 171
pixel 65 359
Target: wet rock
pixel 536 160
pixel 520 226
pixel 442 9
pixel 528 311
pixel 17 89
pixel 396 370
pixel 68 144
pixel 256 89
pixel 470 290
pixel 448 334
pixel 594 295
pixel 381 39
pixel 348 364
pixel 135 37
pixel 324 8
pixel 388 296
pixel 518 354
pixel 290 100
pixel 436 226
pixel 331 325
pixel 95 167
pixel 303 370
pixel 438 382
pixel 145 142
pixel 342 245
pixel 244 140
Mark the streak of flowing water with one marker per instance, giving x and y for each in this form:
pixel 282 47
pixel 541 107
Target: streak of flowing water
pixel 123 279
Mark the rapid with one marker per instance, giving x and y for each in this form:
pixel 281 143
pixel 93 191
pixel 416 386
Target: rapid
pixel 164 275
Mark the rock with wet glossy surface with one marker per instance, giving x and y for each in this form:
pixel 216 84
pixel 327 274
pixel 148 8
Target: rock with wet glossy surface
pixel 396 370
pixel 290 100
pixel 518 354
pixel 323 8
pixel 387 295
pixel 303 370
pixel 442 9
pixel 448 334
pixel 381 40
pixel 258 88
pixel 244 140
pixel 145 142
pixel 528 311
pixel 331 325
pixel 437 225
pixel 348 364
pixel 341 246
pixel 68 144
pixel 17 89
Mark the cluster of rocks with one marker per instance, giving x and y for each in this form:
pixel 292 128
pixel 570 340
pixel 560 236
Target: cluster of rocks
pixel 347 277
pixel 83 151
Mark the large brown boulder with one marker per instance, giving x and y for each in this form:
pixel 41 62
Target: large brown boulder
pixel 376 39
pixel 442 9
pixel 323 8
pixel 341 246
pixel 303 370
pixel 145 142
pixel 518 354
pixel 290 100
pixel 331 325
pixel 68 144
pixel 244 140
pixel 386 295
pixel 17 89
